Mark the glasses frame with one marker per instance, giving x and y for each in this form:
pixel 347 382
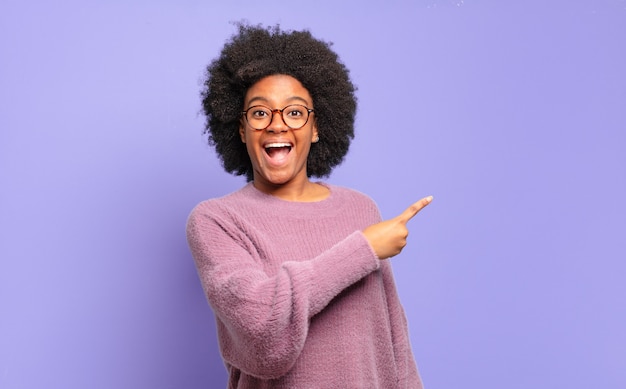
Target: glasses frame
pixel 273 111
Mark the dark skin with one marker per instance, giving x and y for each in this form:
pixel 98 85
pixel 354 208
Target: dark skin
pixel 388 237
pixel 286 177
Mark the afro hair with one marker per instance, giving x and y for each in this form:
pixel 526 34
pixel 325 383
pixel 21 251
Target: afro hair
pixel 256 52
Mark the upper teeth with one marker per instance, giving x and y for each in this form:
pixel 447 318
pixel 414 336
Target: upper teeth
pixel 277 145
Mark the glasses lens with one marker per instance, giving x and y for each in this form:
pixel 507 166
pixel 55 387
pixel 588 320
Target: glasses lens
pixel 259 117
pixel 295 116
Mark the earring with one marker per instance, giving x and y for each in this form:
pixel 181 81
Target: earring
pixel 317 138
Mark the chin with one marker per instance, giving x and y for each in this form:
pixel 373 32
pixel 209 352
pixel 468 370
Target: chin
pixel 274 179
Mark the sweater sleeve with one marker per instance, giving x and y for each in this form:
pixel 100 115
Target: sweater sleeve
pixel 265 318
pixel 408 374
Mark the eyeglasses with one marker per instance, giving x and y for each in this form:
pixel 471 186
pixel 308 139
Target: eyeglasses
pixel 294 116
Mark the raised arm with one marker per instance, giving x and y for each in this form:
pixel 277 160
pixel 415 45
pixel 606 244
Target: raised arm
pixel 265 317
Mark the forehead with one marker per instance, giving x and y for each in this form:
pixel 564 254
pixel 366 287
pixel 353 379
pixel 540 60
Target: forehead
pixel 276 90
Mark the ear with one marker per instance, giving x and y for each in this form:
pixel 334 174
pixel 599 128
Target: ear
pixel 242 132
pixel 314 135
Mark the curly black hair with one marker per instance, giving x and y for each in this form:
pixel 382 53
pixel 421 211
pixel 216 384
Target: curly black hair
pixel 256 52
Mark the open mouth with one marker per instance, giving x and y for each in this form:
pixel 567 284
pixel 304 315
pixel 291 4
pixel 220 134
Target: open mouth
pixel 277 151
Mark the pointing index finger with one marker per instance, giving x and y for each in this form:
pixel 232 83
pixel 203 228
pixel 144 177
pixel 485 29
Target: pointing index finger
pixel 415 208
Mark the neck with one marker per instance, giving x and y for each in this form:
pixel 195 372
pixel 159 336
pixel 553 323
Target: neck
pixel 305 191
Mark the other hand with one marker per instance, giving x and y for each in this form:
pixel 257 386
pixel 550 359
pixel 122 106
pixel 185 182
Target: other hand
pixel 388 237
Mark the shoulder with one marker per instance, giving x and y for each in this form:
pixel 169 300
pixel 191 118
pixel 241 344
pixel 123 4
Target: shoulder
pixel 350 194
pixel 354 201
pixel 219 207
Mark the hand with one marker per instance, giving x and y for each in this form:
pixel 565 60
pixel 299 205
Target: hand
pixel 388 237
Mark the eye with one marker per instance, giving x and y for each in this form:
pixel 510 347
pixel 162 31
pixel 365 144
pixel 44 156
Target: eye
pixel 294 112
pixel 258 112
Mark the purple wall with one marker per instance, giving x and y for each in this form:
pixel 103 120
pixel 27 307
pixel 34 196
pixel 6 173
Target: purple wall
pixel 513 116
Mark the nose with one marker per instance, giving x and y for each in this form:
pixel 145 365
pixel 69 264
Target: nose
pixel 277 124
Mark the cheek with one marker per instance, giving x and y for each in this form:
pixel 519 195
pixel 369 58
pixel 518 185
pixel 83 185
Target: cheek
pixel 254 153
pixel 249 149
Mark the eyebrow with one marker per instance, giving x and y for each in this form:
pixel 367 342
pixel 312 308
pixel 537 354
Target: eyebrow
pixel 290 100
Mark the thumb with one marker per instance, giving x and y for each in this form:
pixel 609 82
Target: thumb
pixel 414 209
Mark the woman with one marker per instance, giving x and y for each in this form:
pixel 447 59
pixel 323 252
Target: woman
pixel 295 269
